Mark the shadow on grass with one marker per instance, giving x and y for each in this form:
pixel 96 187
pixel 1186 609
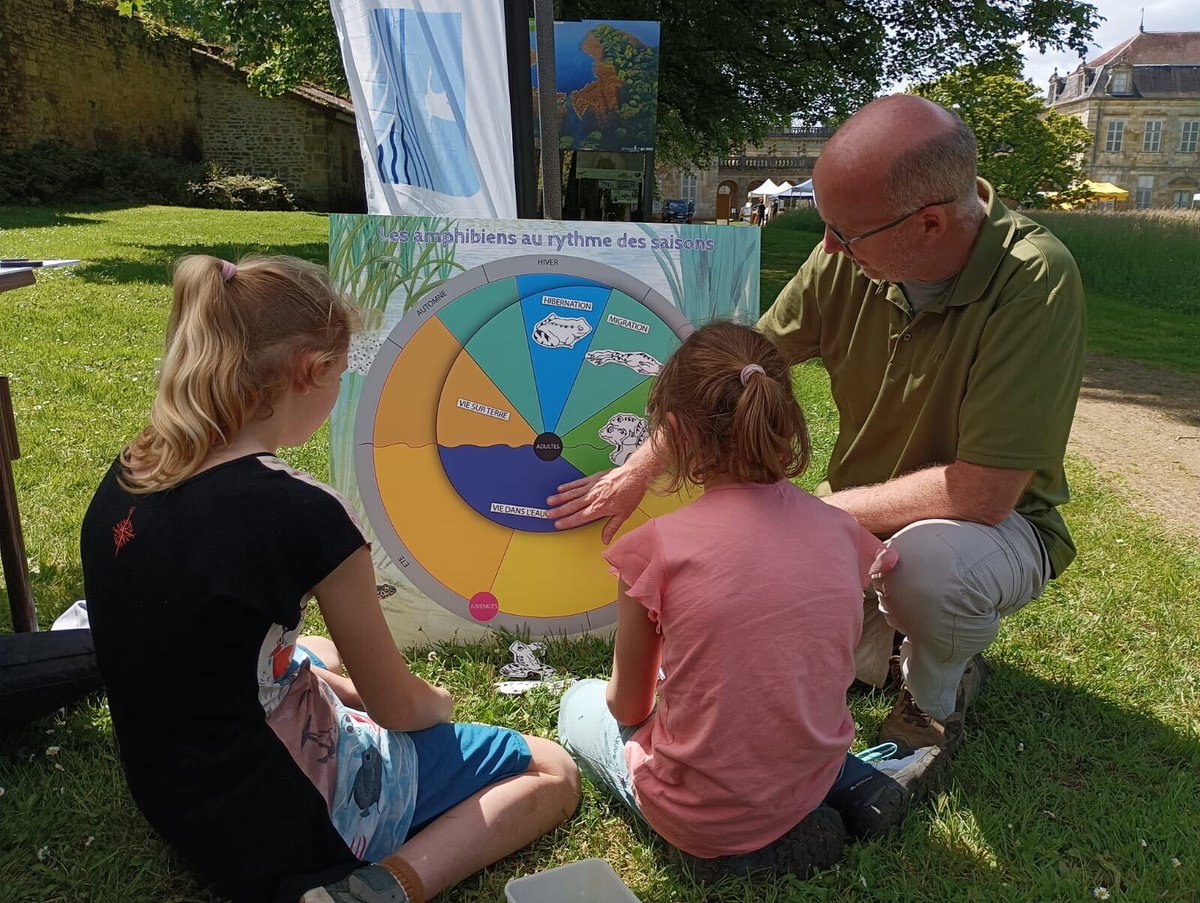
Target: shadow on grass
pixel 44 218
pixel 155 262
pixel 1064 786
pixel 1175 395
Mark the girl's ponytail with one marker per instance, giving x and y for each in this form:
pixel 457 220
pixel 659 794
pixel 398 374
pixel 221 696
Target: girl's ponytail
pixel 200 402
pixel 236 335
pixel 770 438
pixel 729 393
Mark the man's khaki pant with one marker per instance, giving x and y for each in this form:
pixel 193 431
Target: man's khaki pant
pixel 954 581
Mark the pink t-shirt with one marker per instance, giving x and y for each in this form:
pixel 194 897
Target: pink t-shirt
pixel 757 592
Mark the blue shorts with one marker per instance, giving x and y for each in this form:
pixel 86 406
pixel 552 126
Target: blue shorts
pixel 456 761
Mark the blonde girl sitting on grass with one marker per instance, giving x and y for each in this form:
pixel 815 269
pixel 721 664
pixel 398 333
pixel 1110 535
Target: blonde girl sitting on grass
pixel 243 744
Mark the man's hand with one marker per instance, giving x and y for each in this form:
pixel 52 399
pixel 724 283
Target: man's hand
pixel 612 493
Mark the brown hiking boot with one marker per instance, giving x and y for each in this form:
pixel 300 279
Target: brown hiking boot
pixel 911 729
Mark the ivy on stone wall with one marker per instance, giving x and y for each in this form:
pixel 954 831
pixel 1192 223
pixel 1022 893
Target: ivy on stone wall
pixel 50 172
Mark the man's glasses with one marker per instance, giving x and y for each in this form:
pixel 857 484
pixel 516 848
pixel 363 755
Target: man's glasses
pixel 846 243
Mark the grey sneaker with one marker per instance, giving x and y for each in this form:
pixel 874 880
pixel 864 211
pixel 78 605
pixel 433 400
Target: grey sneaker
pixel 368 884
pixel 921 774
pixel 816 843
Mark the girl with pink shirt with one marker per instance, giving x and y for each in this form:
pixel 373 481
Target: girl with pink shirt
pixel 749 600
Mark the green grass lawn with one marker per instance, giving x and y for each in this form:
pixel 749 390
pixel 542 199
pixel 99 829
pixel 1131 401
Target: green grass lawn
pixel 1141 273
pixel 1082 766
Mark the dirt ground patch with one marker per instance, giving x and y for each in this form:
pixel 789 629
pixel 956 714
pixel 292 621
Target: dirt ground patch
pixel 1142 426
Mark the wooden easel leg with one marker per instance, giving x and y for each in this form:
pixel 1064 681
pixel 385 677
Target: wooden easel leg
pixel 12 542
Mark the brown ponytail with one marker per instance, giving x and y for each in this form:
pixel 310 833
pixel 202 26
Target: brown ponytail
pixel 752 432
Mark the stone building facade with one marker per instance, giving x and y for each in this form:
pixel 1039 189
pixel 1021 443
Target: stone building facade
pixel 79 74
pixel 784 156
pixel 1141 102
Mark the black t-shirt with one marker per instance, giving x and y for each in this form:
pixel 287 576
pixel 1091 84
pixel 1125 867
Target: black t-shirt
pixel 184 588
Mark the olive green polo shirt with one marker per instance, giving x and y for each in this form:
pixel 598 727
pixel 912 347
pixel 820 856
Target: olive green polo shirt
pixel 989 374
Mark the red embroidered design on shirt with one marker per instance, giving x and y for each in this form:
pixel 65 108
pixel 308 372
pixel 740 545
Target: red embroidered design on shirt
pixel 123 532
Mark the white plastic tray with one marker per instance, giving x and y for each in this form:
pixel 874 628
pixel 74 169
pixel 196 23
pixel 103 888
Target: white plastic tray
pixel 586 881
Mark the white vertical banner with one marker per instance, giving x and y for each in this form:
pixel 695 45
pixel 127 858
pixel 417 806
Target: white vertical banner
pixel 429 80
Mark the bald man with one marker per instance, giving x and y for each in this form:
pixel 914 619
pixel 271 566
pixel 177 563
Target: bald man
pixel 953 332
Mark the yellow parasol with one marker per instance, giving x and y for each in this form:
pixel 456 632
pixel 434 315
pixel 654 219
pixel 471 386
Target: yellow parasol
pixel 1105 191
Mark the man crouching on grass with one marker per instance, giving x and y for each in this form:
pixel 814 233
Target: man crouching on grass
pixel 953 331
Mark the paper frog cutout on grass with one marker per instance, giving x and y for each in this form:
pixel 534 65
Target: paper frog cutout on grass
pixel 526 663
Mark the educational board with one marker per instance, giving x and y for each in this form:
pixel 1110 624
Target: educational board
pixel 484 378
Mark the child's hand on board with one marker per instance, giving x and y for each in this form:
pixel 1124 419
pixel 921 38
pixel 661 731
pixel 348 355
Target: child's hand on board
pixel 882 566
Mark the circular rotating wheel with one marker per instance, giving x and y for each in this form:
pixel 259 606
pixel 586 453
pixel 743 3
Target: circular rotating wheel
pixel 503 383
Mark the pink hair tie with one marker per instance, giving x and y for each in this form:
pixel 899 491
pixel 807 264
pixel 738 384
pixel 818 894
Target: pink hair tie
pixel 749 370
pixel 228 270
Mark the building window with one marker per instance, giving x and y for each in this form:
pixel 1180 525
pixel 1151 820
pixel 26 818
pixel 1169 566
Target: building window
pixel 1120 81
pixel 687 187
pixel 1189 137
pixel 1152 137
pixel 1182 200
pixel 1115 137
pixel 1145 191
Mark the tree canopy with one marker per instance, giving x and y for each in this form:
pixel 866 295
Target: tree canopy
pixel 1023 148
pixel 729 72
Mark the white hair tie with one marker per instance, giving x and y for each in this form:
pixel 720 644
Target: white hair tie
pixel 749 370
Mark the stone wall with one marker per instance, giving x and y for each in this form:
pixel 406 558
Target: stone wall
pixel 306 140
pixel 79 74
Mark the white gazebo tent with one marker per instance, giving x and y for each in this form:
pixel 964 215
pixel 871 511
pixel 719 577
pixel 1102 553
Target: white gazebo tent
pixel 767 188
pixel 801 192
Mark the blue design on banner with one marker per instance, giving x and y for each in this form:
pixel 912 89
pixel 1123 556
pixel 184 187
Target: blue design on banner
pixel 419 105
pixel 559 325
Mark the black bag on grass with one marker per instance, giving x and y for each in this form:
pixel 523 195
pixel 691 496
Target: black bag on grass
pixel 44 671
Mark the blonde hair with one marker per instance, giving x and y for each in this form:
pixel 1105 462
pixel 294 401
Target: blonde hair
pixel 752 433
pixel 232 345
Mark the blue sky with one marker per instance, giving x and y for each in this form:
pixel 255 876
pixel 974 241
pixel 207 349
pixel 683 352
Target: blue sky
pixel 1122 18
